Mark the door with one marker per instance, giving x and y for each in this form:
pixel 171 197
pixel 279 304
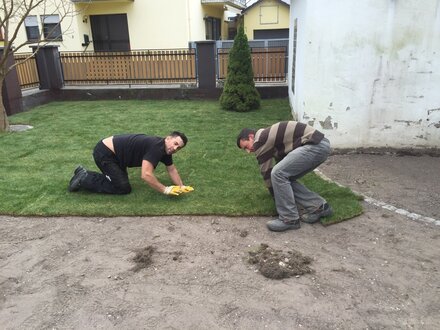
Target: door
pixel 110 33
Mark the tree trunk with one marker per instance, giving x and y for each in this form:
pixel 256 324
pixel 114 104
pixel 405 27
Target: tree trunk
pixel 4 122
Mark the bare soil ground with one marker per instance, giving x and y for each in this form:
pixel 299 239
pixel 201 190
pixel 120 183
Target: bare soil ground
pixel 408 182
pixel 377 271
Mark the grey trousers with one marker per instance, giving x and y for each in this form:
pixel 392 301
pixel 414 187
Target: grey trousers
pixel 287 191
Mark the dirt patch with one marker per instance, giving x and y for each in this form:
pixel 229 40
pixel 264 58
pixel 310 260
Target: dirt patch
pixel 377 271
pixel 271 263
pixel 433 152
pixel 408 182
pixel 143 258
pixel 276 264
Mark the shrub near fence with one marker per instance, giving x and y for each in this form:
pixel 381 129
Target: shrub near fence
pixel 135 67
pixel 27 70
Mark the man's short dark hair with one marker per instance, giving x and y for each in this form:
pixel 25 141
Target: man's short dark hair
pixel 244 135
pixel 182 136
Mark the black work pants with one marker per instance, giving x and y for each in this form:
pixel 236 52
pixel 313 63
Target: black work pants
pixel 113 179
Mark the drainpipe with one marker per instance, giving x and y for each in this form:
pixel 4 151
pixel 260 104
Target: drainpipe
pixel 188 12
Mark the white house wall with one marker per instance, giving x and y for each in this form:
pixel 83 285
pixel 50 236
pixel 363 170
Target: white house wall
pixel 367 73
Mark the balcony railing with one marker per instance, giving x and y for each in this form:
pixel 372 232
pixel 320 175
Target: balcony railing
pixel 239 4
pixel 79 1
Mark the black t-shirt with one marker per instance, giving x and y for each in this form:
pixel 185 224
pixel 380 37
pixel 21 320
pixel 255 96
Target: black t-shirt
pixel 132 149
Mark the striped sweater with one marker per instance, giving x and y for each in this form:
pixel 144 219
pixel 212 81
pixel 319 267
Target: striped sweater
pixel 276 141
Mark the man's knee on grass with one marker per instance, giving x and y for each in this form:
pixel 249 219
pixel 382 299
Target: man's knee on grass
pixel 123 189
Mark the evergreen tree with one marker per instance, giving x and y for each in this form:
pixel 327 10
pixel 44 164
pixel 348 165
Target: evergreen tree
pixel 239 93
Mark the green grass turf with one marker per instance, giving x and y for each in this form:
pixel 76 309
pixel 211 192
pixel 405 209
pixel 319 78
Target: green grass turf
pixel 36 165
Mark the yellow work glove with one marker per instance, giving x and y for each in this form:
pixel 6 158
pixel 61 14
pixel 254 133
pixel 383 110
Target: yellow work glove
pixel 186 189
pixel 172 190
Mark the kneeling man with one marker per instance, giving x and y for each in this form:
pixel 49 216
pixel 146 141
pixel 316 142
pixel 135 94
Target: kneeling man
pixel 113 155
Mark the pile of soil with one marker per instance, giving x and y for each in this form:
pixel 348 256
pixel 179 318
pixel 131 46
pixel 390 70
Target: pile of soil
pixel 271 263
pixel 275 264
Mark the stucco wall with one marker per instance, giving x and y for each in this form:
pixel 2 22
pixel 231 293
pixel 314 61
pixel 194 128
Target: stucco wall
pixel 367 73
pixel 152 24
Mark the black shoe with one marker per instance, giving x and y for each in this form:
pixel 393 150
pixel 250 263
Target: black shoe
pixel 77 179
pixel 325 210
pixel 79 168
pixel 279 225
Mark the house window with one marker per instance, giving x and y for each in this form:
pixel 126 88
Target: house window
pixel 51 27
pixel 213 28
pixel 110 33
pixel 31 25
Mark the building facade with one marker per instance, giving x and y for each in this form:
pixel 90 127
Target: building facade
pixel 120 25
pixel 267 19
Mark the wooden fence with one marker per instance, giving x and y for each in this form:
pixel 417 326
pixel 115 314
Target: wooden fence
pixel 27 70
pixel 135 67
pixel 149 67
pixel 268 64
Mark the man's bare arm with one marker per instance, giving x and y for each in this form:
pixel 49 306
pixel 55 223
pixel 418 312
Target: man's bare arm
pixel 174 175
pixel 148 176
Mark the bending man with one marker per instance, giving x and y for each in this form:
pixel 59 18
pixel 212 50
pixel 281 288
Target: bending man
pixel 113 155
pixel 297 149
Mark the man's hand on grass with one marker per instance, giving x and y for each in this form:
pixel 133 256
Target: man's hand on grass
pixel 186 189
pixel 177 190
pixel 172 190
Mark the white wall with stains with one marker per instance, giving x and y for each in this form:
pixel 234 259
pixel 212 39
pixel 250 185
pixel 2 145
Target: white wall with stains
pixel 367 73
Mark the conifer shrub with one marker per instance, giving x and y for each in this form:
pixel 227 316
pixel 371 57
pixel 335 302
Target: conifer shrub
pixel 239 92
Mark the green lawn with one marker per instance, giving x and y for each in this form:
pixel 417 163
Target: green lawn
pixel 36 165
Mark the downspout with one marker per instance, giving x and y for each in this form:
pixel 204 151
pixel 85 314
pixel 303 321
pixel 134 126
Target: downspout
pixel 188 14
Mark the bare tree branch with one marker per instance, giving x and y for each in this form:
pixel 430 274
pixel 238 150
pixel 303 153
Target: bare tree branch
pixel 61 8
pixel 13 14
